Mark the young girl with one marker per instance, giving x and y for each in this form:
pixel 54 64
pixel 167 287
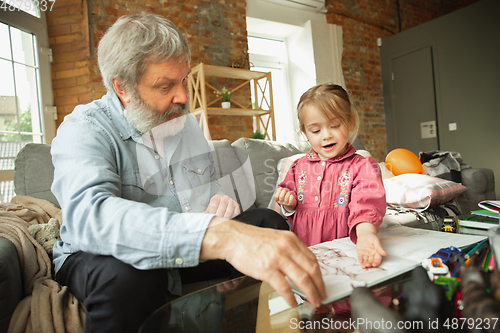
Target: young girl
pixel 332 192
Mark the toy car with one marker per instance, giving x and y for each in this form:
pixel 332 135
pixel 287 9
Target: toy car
pixel 450 224
pixel 435 268
pixel 447 253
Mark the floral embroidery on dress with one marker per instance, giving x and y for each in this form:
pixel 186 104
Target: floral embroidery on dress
pixel 312 155
pixel 343 181
pixel 302 182
pixel 340 200
pixel 302 178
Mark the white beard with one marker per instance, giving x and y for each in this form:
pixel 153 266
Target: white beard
pixel 169 128
pixel 144 118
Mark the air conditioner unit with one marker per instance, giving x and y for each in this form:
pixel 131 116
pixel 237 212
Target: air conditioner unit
pixel 309 5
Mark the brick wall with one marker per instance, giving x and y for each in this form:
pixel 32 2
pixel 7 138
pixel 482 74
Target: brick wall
pixel 215 29
pixel 364 21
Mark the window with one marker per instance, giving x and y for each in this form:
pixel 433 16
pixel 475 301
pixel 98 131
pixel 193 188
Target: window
pixel 270 55
pixel 25 87
pixel 31 7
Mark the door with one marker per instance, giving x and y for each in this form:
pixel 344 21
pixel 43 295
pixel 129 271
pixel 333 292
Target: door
pixel 414 122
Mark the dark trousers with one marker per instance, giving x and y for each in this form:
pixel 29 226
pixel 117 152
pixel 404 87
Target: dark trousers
pixel 118 297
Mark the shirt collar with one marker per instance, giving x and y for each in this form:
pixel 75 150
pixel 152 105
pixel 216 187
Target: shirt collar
pixel 349 151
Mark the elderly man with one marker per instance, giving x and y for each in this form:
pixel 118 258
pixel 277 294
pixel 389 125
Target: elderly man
pixel 141 207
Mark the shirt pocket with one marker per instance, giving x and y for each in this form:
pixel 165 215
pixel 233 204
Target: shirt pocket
pixel 198 174
pixel 197 171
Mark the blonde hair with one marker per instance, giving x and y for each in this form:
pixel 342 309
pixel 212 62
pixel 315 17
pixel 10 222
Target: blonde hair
pixel 334 102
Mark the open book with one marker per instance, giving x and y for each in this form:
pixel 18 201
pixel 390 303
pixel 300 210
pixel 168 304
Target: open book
pixel 491 205
pixel 406 248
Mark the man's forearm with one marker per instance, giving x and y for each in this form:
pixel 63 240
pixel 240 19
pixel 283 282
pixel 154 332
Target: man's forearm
pixel 265 254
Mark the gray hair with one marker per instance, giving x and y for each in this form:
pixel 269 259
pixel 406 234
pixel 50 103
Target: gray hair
pixel 133 42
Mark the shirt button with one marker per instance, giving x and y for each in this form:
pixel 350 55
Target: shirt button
pixel 323 163
pixel 179 261
pixel 319 178
pixel 171 182
pixel 316 198
pixel 199 170
pixel 187 208
pixel 157 157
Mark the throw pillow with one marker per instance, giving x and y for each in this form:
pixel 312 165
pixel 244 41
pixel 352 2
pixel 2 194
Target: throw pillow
pixel 263 156
pixel 283 166
pixel 417 191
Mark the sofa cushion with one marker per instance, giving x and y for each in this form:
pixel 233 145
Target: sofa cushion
pixel 11 288
pixel 264 157
pixel 235 177
pixel 417 191
pixel 34 172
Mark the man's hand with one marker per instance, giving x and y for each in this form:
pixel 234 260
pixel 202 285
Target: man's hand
pixel 368 246
pixel 266 254
pixel 223 206
pixel 286 199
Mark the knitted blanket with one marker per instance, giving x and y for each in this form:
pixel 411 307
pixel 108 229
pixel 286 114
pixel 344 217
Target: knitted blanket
pixel 47 306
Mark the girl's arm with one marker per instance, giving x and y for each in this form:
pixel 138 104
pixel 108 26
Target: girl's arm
pixel 368 246
pixel 367 209
pixel 286 192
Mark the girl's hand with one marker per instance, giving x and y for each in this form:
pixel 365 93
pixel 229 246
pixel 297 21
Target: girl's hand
pixel 286 199
pixel 368 246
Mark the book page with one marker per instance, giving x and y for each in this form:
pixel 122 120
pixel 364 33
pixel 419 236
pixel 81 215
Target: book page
pixel 491 205
pixel 406 248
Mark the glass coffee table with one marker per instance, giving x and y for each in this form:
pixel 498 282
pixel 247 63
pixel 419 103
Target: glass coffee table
pixel 248 305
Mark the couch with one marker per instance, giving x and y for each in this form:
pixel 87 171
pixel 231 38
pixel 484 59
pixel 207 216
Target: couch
pixel 248 171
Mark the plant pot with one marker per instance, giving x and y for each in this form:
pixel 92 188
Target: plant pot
pixel 226 105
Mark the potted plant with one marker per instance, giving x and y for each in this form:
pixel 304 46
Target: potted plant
pixel 258 135
pixel 225 94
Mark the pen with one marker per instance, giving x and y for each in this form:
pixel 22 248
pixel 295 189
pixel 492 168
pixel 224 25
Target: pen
pixel 480 256
pixel 487 261
pixel 474 249
pixel 491 265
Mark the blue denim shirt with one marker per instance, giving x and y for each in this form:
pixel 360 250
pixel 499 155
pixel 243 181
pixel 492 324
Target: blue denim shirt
pixel 121 197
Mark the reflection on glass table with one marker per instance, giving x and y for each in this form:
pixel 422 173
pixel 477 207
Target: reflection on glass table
pixel 248 305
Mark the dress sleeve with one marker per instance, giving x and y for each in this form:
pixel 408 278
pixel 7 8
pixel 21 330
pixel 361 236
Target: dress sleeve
pixel 289 183
pixel 367 202
pixel 289 180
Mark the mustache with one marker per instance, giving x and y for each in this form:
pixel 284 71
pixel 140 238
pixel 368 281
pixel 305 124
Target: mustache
pixel 144 117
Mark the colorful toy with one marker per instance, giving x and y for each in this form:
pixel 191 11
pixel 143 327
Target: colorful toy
pixel 435 268
pixel 450 285
pixel 447 253
pixel 450 224
pixel 401 160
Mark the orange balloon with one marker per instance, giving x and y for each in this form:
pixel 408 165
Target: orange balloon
pixel 401 160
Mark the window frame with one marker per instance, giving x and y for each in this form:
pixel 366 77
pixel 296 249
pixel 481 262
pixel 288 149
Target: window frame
pixel 38 27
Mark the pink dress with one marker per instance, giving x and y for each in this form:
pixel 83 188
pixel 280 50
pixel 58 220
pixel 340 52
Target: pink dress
pixel 334 195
